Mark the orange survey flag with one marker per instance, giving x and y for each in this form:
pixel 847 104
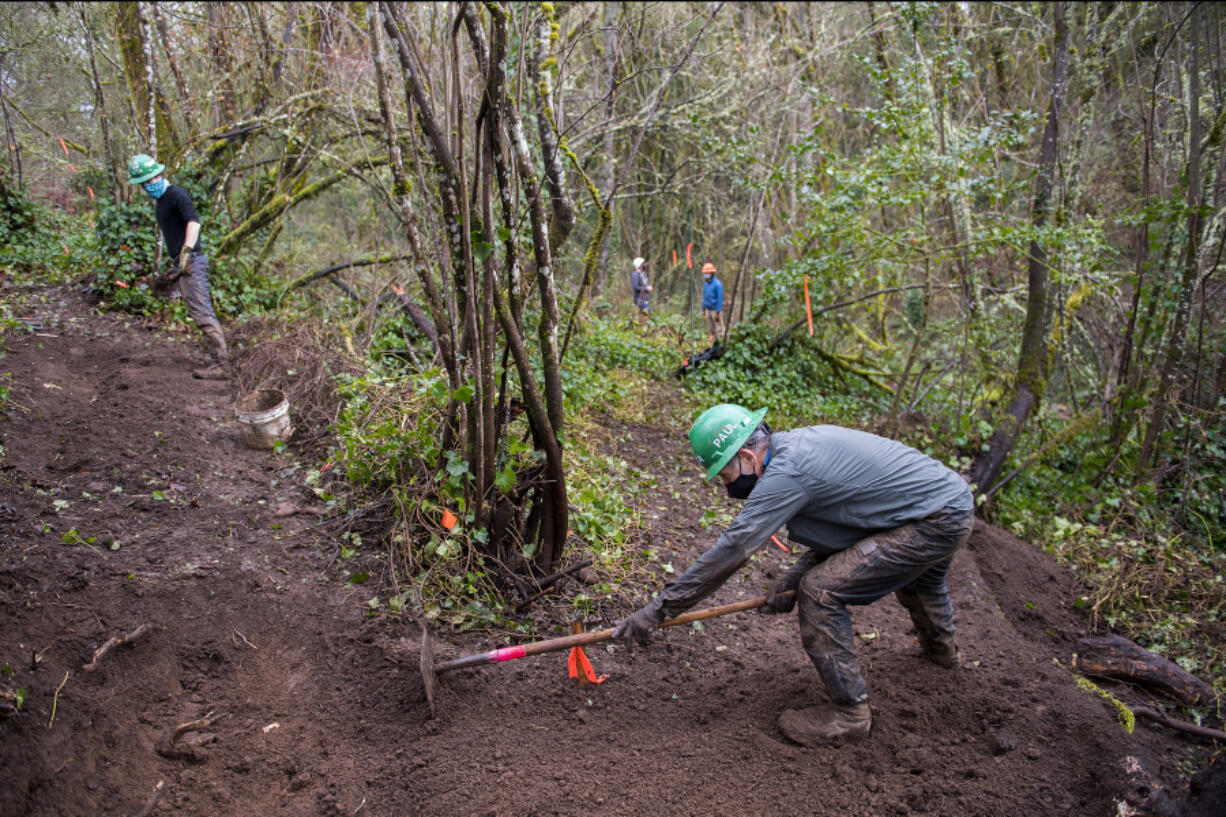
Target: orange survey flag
pixel 688 262
pixel 449 519
pixel 578 663
pixel 808 308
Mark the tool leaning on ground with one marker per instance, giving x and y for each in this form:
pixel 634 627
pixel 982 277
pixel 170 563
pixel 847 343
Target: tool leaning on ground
pixel 430 671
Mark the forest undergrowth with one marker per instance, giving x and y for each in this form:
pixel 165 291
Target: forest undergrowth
pixel 992 232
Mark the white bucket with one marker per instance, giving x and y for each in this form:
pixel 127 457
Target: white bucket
pixel 264 417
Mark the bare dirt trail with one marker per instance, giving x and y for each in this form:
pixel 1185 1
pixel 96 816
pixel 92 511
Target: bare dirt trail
pixel 127 497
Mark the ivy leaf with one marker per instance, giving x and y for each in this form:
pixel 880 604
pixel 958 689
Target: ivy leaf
pixel 456 466
pixel 464 394
pixel 504 234
pixel 481 250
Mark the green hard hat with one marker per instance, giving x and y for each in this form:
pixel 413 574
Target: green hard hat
pixel 719 432
pixel 142 168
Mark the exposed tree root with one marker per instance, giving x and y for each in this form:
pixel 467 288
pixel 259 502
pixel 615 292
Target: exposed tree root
pixel 152 802
pixel 1145 713
pixel 116 641
pixel 166 746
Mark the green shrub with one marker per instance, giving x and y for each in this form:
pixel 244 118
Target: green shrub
pixel 35 239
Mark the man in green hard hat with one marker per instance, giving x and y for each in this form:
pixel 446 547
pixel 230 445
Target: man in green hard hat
pixel 189 266
pixel 876 516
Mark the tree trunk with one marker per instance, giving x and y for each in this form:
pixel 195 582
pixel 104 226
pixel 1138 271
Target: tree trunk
pixel 133 47
pixel 220 63
pixel 185 98
pixel 1191 267
pixel 404 204
pixel 114 165
pixel 1033 358
pixel 540 69
pixel 608 173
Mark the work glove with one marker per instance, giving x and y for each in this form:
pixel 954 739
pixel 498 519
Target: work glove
pixel 782 595
pixel 781 598
pixel 185 259
pixel 639 626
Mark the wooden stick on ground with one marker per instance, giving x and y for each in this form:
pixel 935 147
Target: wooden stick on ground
pixel 116 641
pixel 1145 713
pixel 545 584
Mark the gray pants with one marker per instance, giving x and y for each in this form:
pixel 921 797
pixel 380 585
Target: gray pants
pixel 194 286
pixel 910 561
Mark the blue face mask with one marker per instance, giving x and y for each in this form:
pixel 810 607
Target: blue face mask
pixel 155 188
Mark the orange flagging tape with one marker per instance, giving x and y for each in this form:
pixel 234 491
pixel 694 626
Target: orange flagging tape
pixel 688 262
pixel 782 546
pixel 64 146
pixel 91 191
pixel 581 668
pixel 674 258
pixel 121 284
pixel 449 519
pixel 808 307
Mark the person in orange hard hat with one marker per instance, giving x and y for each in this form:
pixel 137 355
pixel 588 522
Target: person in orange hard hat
pixel 712 303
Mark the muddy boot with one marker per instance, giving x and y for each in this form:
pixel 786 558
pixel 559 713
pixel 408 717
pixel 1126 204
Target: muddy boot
pixel 214 372
pixel 219 369
pixel 932 616
pixel 943 655
pixel 826 724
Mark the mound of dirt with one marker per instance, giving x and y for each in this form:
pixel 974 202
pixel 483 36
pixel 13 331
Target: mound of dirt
pixel 267 686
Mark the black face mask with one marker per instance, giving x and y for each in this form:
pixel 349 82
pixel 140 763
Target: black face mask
pixel 742 486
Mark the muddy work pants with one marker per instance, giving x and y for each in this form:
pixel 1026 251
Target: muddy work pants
pixel 910 561
pixel 194 286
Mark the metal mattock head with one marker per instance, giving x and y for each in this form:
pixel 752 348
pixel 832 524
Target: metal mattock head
pixel 427 667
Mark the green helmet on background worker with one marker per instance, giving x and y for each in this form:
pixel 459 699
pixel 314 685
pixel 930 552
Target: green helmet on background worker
pixel 719 432
pixel 142 168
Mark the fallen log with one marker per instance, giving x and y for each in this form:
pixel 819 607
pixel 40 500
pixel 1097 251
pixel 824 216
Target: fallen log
pixel 1117 658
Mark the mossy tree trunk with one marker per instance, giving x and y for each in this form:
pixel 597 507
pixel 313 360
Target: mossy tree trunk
pixel 1033 359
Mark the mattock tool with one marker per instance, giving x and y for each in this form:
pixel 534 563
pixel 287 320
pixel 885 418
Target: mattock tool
pixel 430 671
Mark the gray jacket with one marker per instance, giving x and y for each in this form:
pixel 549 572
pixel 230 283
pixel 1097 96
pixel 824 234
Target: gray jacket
pixel 832 487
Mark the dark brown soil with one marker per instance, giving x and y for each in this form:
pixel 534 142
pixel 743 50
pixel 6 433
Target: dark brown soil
pixel 127 497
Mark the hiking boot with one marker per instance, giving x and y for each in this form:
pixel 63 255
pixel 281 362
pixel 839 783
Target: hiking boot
pixel 217 371
pixel 826 724
pixel 943 655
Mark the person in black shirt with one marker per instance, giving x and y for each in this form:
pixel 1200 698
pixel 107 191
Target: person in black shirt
pixel 180 225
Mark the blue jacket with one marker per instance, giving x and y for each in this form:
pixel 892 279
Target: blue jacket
pixel 713 295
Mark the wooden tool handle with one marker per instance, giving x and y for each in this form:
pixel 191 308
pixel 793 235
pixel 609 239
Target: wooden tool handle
pixel 583 639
